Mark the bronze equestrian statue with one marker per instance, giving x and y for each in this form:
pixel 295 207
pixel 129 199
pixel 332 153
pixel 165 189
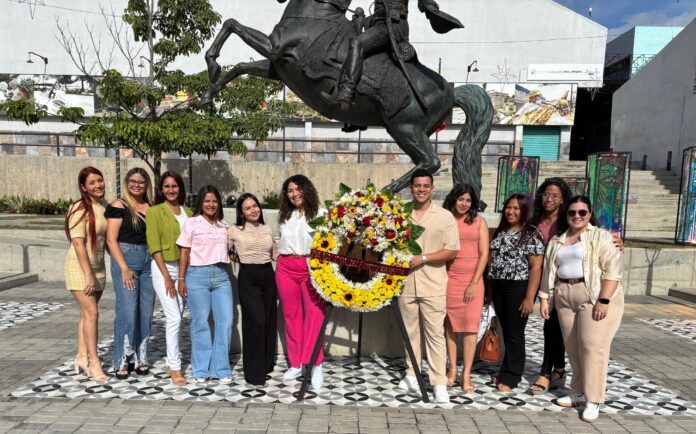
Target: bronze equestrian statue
pixel 371 78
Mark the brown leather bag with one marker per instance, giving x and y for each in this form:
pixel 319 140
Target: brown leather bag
pixel 490 345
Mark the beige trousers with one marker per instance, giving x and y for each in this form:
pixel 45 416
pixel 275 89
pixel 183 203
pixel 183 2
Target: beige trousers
pixel 430 312
pixel 587 341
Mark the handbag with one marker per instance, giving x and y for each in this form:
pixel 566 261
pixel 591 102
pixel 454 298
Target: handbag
pixel 486 317
pixel 490 345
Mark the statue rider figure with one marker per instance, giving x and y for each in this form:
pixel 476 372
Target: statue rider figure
pixel 373 40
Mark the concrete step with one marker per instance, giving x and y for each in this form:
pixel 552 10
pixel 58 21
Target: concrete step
pixel 13 280
pixel 687 294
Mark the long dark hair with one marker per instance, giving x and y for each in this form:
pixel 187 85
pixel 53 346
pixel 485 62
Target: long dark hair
pixel 457 191
pixel 586 200
pixel 538 211
pixel 241 220
pixel 200 197
pixel 84 203
pixel 310 199
pixel 526 229
pixel 159 194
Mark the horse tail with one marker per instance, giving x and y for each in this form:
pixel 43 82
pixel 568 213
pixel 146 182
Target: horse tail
pixel 466 163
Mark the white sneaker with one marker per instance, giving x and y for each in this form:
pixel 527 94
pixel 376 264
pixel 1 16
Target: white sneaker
pixel 292 373
pixel 226 380
pixel 571 400
pixel 591 412
pixel 317 377
pixel 441 395
pixel 408 383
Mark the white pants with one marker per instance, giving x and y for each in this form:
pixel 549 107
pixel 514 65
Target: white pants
pixel 173 311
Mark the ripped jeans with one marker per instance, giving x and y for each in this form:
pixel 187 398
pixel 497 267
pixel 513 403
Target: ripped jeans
pixel 133 308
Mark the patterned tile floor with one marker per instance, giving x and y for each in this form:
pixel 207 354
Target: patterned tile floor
pixel 681 327
pixel 372 383
pixel 13 313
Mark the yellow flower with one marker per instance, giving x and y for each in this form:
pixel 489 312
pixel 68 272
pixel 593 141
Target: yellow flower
pixel 314 263
pixel 325 243
pixel 386 208
pixel 352 210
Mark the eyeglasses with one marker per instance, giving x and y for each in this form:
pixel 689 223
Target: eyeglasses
pixel 581 213
pixel 134 182
pixel 554 197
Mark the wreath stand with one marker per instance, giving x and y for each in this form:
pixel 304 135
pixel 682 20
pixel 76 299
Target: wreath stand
pixel 407 342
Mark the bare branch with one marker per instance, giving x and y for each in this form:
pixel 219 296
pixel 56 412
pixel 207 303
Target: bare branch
pixel 76 50
pixel 119 33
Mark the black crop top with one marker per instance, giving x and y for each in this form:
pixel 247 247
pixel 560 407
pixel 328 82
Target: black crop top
pixel 127 233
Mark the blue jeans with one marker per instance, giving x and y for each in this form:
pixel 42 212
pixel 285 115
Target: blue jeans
pixel 133 307
pixel 209 288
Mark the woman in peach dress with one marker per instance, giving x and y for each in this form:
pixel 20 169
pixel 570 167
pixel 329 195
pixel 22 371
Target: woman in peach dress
pixel 465 289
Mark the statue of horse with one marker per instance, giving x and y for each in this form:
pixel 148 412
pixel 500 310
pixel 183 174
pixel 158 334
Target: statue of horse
pixel 306 50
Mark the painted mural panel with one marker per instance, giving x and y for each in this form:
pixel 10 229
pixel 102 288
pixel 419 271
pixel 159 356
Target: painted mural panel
pixel 686 219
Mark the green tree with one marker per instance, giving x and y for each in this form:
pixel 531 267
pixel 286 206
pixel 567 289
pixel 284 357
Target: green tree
pixel 140 113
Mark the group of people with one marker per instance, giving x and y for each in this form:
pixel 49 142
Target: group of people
pixel 548 247
pixel 161 248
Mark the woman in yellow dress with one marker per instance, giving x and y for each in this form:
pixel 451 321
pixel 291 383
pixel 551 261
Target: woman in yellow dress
pixel 85 274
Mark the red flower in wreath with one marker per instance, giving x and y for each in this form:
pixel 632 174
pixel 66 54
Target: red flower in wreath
pixel 367 221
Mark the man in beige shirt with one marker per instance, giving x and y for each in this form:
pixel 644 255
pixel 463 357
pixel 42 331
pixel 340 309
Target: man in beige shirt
pixel 424 296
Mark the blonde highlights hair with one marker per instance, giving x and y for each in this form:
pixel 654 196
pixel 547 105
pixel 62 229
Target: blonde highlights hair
pixel 128 199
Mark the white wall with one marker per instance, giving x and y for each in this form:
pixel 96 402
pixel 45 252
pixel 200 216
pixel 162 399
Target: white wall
pixel 499 34
pixel 654 112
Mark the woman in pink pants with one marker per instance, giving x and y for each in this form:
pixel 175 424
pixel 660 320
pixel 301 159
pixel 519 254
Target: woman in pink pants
pixel 303 310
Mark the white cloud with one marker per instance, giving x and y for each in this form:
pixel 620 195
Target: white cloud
pixel 653 18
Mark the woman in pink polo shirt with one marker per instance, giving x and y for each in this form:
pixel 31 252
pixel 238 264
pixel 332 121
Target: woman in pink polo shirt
pixel 204 261
pixel 303 310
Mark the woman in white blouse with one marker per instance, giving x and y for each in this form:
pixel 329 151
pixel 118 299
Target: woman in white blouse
pixel 303 309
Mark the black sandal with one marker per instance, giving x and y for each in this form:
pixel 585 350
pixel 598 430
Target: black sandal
pixel 559 382
pixel 540 387
pixel 142 370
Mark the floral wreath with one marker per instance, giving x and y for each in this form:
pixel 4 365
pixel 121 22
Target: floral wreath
pixel 377 221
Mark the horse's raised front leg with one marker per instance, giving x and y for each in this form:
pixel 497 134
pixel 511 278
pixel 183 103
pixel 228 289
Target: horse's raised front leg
pixel 416 144
pixel 255 39
pixel 262 68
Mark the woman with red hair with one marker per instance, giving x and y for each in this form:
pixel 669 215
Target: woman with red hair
pixel 85 273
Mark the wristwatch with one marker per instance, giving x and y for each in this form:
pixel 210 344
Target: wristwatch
pixel 603 300
pixel 424 259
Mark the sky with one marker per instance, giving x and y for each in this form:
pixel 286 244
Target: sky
pixel 621 15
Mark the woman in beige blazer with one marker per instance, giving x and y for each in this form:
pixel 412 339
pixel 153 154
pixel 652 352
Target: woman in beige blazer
pixel 582 280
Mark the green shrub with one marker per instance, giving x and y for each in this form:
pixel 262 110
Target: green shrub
pixel 20 204
pixel 271 201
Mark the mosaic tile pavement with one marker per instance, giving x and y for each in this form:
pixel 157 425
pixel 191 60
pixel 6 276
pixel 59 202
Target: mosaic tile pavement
pixel 371 383
pixel 684 328
pixel 14 313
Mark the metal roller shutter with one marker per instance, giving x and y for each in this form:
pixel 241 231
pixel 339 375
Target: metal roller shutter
pixel 542 142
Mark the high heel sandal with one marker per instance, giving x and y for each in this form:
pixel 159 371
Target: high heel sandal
pixel 559 382
pixel 79 366
pixel 537 388
pixel 470 390
pixel 94 364
pixel 451 377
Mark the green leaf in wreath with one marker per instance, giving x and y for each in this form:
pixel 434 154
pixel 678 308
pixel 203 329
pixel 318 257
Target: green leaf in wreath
pixel 343 189
pixel 414 248
pixel 317 222
pixel 388 193
pixel 328 204
pixel 416 231
pixel 370 185
pixel 408 208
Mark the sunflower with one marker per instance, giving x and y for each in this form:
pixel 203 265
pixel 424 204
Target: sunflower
pixel 325 243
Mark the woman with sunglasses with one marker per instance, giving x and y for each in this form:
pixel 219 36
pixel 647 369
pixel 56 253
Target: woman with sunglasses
pixel 582 281
pixel 516 254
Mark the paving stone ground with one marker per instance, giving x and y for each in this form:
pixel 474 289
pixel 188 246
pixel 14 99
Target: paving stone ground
pixel 35 346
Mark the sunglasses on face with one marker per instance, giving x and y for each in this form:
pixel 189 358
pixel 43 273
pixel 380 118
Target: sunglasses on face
pixel 581 213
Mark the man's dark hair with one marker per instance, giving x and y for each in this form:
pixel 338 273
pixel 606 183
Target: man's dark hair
pixel 420 173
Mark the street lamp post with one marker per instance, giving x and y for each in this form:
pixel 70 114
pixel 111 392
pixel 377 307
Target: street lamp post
pixel 45 59
pixel 473 67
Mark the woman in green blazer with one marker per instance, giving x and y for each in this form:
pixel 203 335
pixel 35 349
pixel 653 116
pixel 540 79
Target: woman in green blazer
pixel 163 223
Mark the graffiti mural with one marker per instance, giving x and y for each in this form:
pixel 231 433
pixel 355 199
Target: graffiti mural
pixel 609 175
pixel 686 219
pixel 515 175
